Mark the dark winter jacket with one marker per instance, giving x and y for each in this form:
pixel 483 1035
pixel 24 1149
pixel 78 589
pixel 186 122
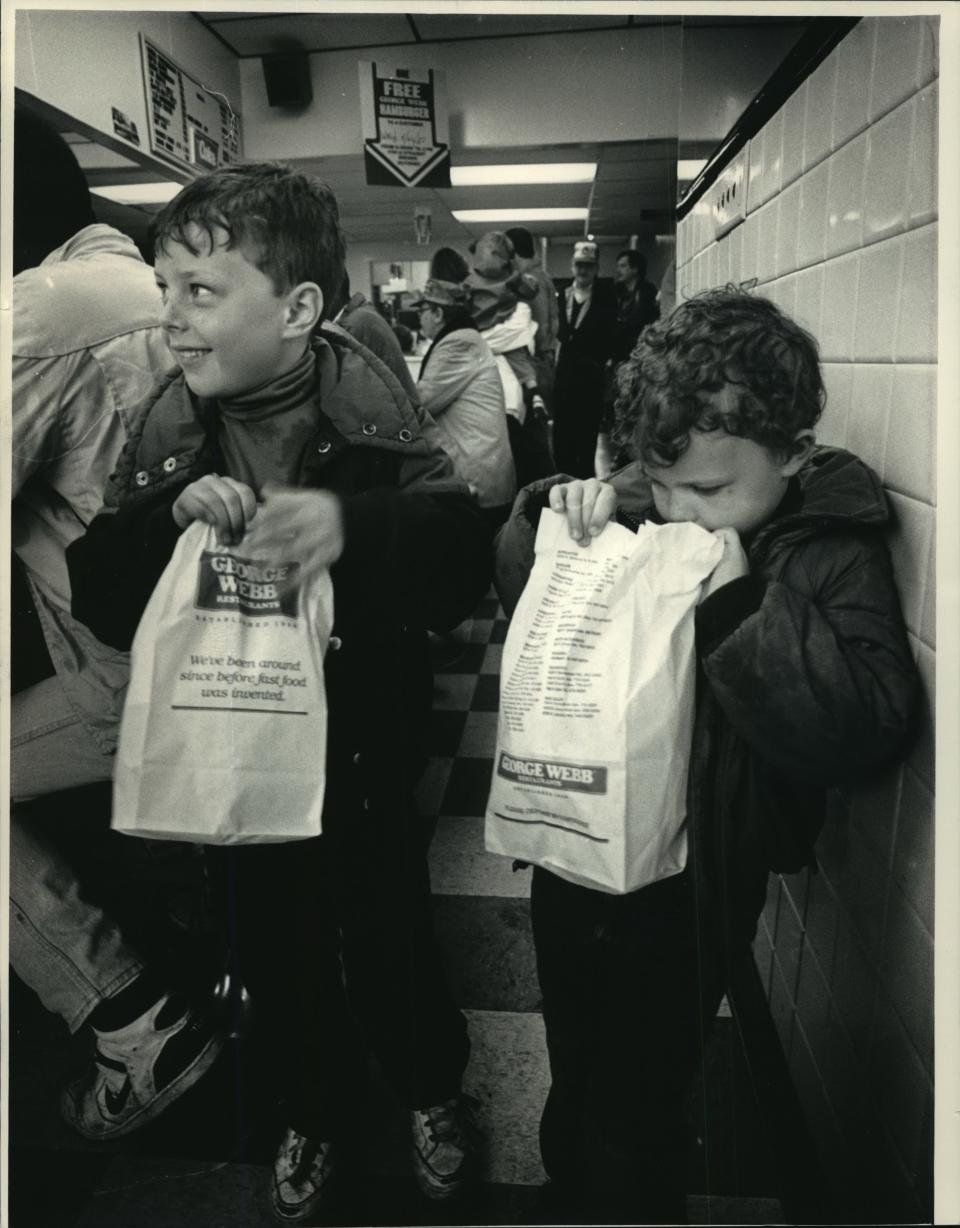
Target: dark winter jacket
pixel 416 555
pixel 806 678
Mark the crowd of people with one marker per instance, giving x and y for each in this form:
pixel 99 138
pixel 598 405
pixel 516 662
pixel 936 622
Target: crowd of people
pixel 239 378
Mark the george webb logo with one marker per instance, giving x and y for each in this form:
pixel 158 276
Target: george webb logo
pixel 247 586
pixel 569 777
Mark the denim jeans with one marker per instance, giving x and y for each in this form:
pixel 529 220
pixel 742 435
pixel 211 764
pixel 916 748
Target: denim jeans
pixel 63 947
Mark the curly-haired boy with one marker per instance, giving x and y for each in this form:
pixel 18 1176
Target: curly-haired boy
pixel 805 681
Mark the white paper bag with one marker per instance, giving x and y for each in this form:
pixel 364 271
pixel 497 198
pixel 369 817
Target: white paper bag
pixel 596 705
pixel 224 730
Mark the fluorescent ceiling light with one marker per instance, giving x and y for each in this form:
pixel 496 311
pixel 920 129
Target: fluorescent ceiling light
pixel 523 172
pixel 138 193
pixel 690 168
pixel 520 215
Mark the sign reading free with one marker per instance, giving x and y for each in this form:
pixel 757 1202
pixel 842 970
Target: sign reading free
pixel 404 117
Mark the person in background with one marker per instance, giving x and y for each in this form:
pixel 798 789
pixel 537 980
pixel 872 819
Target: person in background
pixel 543 308
pixel 637 304
pixel 806 682
pixel 310 436
pixel 361 320
pixel 460 388
pixel 587 322
pixel 89 356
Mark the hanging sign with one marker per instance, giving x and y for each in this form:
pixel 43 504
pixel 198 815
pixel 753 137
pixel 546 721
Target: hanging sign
pixel 404 117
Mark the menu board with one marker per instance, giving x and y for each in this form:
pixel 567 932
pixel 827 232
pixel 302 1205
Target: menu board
pixel 187 123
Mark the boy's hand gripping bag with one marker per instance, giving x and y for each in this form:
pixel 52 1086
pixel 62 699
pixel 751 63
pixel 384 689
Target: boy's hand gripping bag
pixel 224 730
pixel 596 705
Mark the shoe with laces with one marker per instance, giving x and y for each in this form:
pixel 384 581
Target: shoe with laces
pixel 142 1068
pixel 442 1153
pixel 301 1177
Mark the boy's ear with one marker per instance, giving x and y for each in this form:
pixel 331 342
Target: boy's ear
pixel 303 308
pixel 800 449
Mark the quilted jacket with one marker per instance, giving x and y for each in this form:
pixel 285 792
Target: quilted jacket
pixel 806 680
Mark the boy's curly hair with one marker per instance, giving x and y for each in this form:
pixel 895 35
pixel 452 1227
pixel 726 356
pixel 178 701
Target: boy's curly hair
pixel 288 223
pixel 723 336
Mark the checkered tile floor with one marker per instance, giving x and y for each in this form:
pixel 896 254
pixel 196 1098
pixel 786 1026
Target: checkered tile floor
pixel 200 1165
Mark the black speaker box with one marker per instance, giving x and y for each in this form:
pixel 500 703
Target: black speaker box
pixel 287 78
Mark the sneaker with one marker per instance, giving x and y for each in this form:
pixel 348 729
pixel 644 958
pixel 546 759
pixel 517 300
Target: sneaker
pixel 141 1069
pixel 301 1177
pixel 441 1149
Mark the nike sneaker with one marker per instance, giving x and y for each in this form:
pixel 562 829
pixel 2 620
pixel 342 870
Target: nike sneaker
pixel 142 1068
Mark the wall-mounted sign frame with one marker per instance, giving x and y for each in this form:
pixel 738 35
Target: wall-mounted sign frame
pixel 187 124
pixel 404 117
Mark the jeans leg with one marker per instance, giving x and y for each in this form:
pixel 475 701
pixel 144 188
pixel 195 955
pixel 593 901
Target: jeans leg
pixel 64 948
pixel 50 750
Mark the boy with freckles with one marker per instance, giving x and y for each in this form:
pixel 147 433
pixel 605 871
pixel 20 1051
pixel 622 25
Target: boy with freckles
pixel 805 681
pixel 299 431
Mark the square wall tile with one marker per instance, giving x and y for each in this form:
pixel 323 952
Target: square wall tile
pixel 917 323
pixel 880 272
pixel 838 382
pixel 869 412
pixel 710 256
pixel 913 865
pixel 734 244
pixel 768 219
pixel 841 286
pixel 897 62
pixel 794 112
pixel 783 291
pixel 910 462
pixel 749 231
pixel 772 157
pixel 821 105
pixel 809 305
pixel 845 178
pixel 789 942
pixel 910 540
pixel 854 57
pixel 764 163
pixel 885 184
pixel 922 175
pixel 812 229
pixel 789 202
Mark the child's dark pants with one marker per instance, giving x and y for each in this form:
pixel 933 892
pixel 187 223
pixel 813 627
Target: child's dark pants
pixel 358 894
pixel 626 1004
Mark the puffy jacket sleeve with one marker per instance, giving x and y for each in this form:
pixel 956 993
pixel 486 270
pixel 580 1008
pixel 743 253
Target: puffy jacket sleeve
pixel 813 667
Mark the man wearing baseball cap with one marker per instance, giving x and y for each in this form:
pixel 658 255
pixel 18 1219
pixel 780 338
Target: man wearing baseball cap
pixel 588 316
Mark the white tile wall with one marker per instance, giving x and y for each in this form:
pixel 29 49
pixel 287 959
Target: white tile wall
pixel 854 58
pixel 877 300
pixel 917 323
pixel 922 177
pixel 885 185
pixel 821 105
pixel 794 111
pixel 841 231
pixel 846 173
